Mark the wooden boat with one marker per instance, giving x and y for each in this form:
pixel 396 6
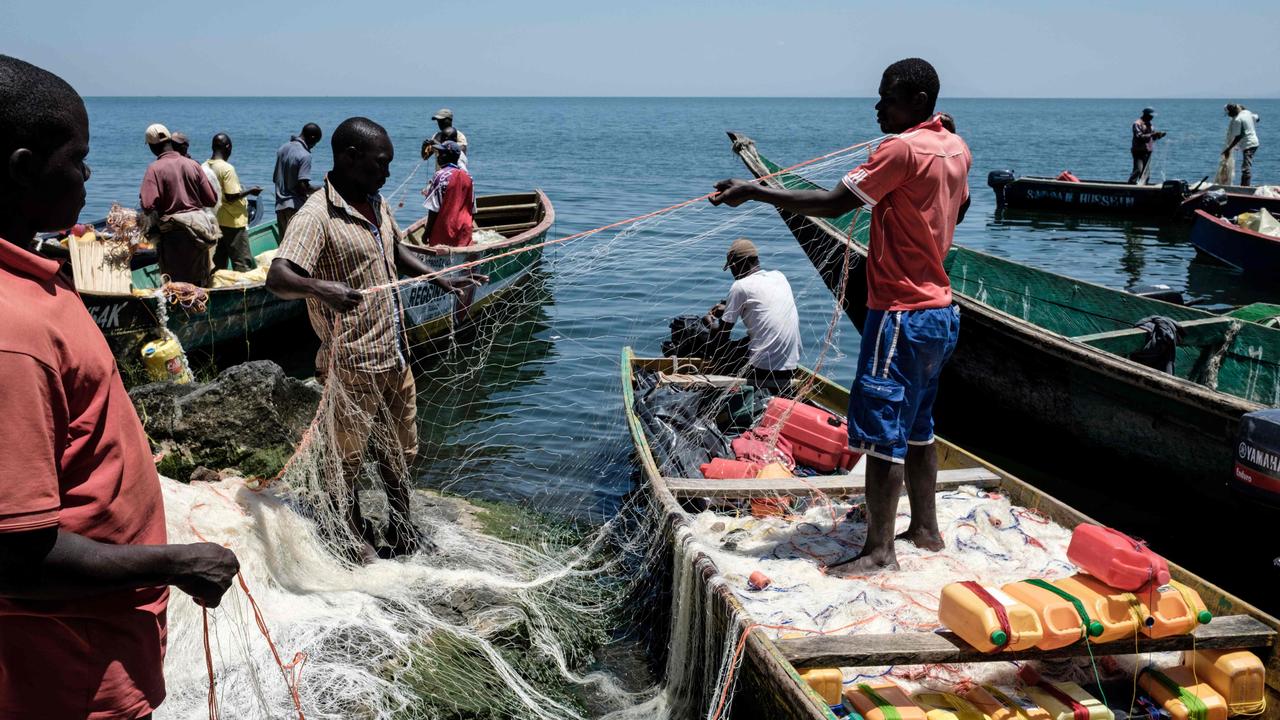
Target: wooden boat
pixel 232 313
pixel 1171 199
pixel 523 219
pixel 1250 252
pixel 1044 359
pixel 769 684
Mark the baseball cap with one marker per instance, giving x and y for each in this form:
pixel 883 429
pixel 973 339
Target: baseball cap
pixel 443 114
pixel 1149 111
pixel 740 249
pixel 157 133
pixel 449 146
pixel 180 139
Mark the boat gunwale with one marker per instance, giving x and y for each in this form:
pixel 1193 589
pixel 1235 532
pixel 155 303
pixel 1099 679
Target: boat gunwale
pixel 1078 183
pixel 1019 492
pixel 1078 353
pixel 1225 224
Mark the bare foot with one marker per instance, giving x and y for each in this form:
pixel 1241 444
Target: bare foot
pixel 865 563
pixel 930 540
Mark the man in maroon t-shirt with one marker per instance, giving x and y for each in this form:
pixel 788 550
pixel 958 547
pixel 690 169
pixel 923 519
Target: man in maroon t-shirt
pixel 450 200
pixel 916 184
pixel 84 567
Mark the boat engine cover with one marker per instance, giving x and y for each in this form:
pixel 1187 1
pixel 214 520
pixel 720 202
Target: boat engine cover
pixel 999 178
pixel 1257 470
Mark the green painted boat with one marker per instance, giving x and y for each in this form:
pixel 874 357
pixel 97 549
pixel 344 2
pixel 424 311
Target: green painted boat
pixel 768 683
pixel 1047 356
pixel 233 313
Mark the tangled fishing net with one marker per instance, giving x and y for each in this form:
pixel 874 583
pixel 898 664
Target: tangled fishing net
pixel 535 577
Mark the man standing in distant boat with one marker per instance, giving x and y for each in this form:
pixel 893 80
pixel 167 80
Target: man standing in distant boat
pixel 176 190
pixel 1242 132
pixel 763 300
pixel 342 245
pixel 233 212
pixel 450 200
pixel 1144 143
pixel 292 175
pixel 444 120
pixel 84 560
pixel 916 184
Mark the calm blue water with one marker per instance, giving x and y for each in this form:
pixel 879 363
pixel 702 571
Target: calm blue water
pixel 543 422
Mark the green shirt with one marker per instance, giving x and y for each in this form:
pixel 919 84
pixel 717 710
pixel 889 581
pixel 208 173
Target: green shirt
pixel 232 213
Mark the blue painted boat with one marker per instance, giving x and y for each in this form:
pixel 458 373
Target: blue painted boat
pixel 1251 252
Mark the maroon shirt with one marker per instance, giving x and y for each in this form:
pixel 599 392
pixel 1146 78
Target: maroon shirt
pixel 174 184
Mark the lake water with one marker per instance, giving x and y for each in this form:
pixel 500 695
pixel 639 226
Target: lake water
pixel 541 422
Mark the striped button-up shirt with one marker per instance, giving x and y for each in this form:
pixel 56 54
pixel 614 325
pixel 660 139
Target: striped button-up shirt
pixel 331 240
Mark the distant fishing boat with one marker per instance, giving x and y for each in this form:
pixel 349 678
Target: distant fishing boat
pixel 522 219
pixel 1170 199
pixel 1053 353
pixel 768 682
pixel 1252 253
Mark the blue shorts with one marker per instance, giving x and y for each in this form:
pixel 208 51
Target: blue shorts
pixel 891 401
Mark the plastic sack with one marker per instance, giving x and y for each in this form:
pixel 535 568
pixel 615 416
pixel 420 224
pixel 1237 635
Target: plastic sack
pixel 1226 174
pixel 1261 221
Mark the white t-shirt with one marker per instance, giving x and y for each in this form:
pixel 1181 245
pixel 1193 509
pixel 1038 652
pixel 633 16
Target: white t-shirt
pixel 764 302
pixel 1243 122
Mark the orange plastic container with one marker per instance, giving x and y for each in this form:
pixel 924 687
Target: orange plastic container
pixel 1237 675
pixel 818 438
pixel 1175 688
pixel 987 618
pixel 1064 618
pixel 1061 700
pixel 827 682
pixel 1116 559
pixel 724 468
pixel 872 699
pixel 1118 612
pixel 771 507
pixel 1001 705
pixel 1172 609
pixel 948 706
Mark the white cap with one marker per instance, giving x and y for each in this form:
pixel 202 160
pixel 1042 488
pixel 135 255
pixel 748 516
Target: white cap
pixel 157 133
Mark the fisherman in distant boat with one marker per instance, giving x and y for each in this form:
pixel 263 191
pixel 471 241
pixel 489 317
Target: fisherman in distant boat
pixel 762 299
pixel 292 175
pixel 916 184
pixel 85 563
pixel 1242 132
pixel 1144 143
pixel 176 191
pixel 450 200
pixel 444 120
pixel 233 211
pixel 341 252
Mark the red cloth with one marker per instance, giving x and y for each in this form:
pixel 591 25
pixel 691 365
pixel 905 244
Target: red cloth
pixel 914 184
pixel 451 192
pixel 76 458
pixel 174 184
pixel 1068 176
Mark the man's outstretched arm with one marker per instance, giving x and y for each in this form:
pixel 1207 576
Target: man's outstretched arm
pixel 814 203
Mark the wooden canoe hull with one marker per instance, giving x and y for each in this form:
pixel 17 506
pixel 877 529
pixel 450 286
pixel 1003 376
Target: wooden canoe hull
pixel 1089 197
pixel 1252 253
pixel 768 684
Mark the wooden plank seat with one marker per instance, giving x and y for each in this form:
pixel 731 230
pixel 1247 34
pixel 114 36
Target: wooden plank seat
pixel 524 209
pixel 839 485
pixel 920 648
pixel 1204 332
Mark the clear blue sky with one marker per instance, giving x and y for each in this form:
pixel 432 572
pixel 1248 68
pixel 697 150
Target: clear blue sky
pixel 982 48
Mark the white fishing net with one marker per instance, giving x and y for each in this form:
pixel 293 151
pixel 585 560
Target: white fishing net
pixel 538 588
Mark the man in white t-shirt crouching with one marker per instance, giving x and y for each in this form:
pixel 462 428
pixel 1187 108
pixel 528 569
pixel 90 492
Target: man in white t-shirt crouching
pixel 762 298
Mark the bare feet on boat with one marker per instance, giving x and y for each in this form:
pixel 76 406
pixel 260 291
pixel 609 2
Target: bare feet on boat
pixel 865 563
pixel 930 540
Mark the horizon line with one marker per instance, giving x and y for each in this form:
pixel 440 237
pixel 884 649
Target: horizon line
pixel 657 97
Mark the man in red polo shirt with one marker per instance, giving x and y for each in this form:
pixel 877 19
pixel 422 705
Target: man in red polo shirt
pixel 916 184
pixel 84 567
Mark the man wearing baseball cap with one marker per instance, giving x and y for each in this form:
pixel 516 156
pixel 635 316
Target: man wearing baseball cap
pixel 763 300
pixel 450 200
pixel 174 185
pixel 1144 143
pixel 444 119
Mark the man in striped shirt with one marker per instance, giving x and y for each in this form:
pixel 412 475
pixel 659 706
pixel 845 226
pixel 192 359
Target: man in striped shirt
pixel 342 253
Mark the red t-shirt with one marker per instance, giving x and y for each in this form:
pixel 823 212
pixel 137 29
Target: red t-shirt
pixel 74 457
pixel 451 197
pixel 914 184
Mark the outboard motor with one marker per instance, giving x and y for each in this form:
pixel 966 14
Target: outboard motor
pixel 1176 188
pixel 998 179
pixel 1257 471
pixel 1213 201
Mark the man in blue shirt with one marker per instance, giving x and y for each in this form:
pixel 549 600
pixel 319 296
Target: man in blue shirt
pixel 293 174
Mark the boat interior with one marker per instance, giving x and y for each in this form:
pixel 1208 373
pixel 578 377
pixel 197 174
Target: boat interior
pixel 509 215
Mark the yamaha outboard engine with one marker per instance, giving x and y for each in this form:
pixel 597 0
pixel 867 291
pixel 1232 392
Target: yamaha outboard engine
pixel 998 179
pixel 1257 471
pixel 1213 201
pixel 1177 188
